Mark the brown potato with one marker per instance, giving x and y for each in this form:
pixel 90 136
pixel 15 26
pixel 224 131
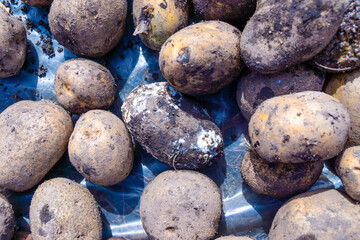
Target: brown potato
pixel 278 180
pixel 34 136
pixel 202 58
pixel 300 127
pixel 63 209
pixel 100 148
pixel 82 85
pixel 321 214
pixel 38 3
pixel 88 28
pixel 254 88
pixel 7 219
pixel 181 205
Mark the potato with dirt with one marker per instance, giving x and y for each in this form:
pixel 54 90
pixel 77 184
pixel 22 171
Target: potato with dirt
pixel 278 180
pixel 254 88
pixel 284 33
pixel 7 219
pixel 156 20
pixel 300 127
pixel 101 149
pixel 63 209
pixel 82 85
pixel 202 58
pixel 38 3
pixel 13 44
pixel 234 238
pixel 34 136
pixel 88 28
pixel 324 214
pixel 173 128
pixel 182 205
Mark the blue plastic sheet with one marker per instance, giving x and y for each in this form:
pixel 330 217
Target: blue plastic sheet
pixel 131 63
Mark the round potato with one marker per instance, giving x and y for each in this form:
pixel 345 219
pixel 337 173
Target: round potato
pixel 82 85
pixel 181 205
pixel 202 58
pixel 233 238
pixel 301 127
pixel 22 236
pixel 12 44
pixel 156 20
pixel 284 33
pixel 346 88
pixel 278 180
pixel 38 3
pixel 34 136
pixel 321 214
pixel 100 148
pixel 63 209
pixel 7 219
pixel 254 88
pixel 88 28
pixel 171 127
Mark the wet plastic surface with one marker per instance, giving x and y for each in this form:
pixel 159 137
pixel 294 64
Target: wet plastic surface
pixel 131 63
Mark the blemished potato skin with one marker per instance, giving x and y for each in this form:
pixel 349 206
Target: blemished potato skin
pixel 299 127
pixel 234 238
pixel 34 136
pixel 88 28
pixel 12 44
pixel 156 20
pixel 347 167
pixel 38 3
pixel 63 209
pixel 278 180
pixel 182 205
pixel 254 88
pixel 195 60
pixel 7 219
pixel 285 33
pixel 346 88
pixel 324 214
pixel 82 85
pixel 100 148
pixel 172 127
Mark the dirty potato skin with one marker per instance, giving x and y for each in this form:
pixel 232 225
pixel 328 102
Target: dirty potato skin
pixel 182 205
pixel 100 148
pixel 88 28
pixel 156 20
pixel 285 33
pixel 38 3
pixel 347 167
pixel 196 62
pixel 63 209
pixel 278 180
pixel 34 136
pixel 82 85
pixel 254 88
pixel 7 219
pixel 172 127
pixel 12 44
pixel 300 127
pixel 233 238
pixel 321 214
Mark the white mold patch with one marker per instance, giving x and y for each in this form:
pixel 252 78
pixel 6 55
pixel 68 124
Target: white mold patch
pixel 208 140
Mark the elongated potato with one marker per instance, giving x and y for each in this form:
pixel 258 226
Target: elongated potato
pixel 7 219
pixel 301 127
pixel 157 20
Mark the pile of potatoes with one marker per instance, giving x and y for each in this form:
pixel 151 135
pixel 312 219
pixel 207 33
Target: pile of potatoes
pixel 277 52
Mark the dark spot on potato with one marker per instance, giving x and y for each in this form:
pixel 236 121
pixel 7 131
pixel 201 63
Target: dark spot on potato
pixel 170 229
pixel 256 144
pixel 89 171
pixel 266 93
pixel 286 138
pixel 42 232
pixel 45 214
pixel 181 4
pixel 163 5
pixel 184 56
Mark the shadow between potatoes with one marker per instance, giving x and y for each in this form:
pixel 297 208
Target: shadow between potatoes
pixel 330 164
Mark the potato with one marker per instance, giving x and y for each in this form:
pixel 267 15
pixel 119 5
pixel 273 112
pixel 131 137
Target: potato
pixel 172 127
pixel 181 205
pixel 233 238
pixel 100 148
pixel 156 20
pixel 202 58
pixel 7 219
pixel 12 44
pixel 278 180
pixel 34 136
pixel 301 127
pixel 254 88
pixel 88 28
pixel 22 236
pixel 38 3
pixel 284 33
pixel 321 214
pixel 63 209
pixel 346 88
pixel 82 85
pixel 347 167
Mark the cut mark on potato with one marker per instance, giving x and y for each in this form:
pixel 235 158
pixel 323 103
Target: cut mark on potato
pixel 144 20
